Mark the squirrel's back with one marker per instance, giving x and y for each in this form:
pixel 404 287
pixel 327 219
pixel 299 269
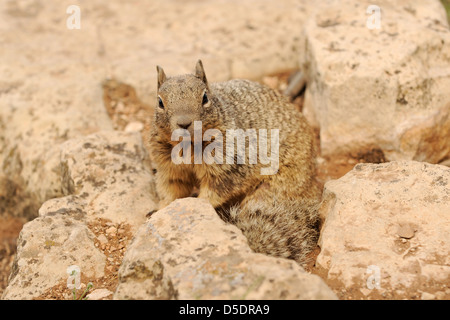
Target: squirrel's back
pixel 253 105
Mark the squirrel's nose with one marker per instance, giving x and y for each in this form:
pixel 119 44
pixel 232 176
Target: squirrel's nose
pixel 184 123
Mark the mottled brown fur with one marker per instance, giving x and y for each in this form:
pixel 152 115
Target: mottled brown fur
pixel 276 212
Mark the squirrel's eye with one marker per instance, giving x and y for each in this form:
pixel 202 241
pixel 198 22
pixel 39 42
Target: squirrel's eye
pixel 205 99
pixel 161 104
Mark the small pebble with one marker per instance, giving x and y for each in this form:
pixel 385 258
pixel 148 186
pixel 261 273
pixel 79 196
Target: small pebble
pixel 428 296
pixel 111 231
pixel 102 239
pixel 440 295
pixel 406 231
pixel 134 126
pixel 99 294
pixel 120 107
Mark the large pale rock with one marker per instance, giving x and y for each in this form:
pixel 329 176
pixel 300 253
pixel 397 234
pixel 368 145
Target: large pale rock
pixel 104 176
pixel 386 88
pixel 47 96
pixel 47 247
pixel 185 251
pixel 235 39
pixel 111 173
pixel 389 219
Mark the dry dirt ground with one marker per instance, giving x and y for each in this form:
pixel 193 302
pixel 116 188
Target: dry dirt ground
pixel 125 109
pixel 9 231
pixel 112 240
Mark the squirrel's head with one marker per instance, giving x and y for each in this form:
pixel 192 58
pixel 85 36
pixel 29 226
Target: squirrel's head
pixel 182 100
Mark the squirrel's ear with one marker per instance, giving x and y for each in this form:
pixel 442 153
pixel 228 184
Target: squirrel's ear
pixel 200 72
pixel 161 76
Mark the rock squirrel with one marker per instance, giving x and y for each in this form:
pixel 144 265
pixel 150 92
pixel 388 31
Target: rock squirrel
pixel 276 212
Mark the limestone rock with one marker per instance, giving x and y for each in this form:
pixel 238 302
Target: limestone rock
pixel 47 247
pixel 134 126
pixel 104 176
pixel 99 294
pixel 392 219
pixel 428 296
pixel 186 251
pixel 384 89
pixel 111 173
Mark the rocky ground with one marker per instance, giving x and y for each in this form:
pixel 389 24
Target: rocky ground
pixel 74 119
pixel 129 113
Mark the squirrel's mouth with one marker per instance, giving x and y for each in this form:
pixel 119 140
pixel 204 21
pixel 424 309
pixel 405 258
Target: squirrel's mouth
pixel 194 135
pixel 173 143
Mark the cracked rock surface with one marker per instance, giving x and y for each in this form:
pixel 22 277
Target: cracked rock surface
pixel 392 218
pixel 79 172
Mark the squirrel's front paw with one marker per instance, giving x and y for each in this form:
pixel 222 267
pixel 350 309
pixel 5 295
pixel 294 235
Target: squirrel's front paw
pixel 161 205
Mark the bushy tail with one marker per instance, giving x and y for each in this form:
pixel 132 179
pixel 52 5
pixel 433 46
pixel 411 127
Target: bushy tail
pixel 288 228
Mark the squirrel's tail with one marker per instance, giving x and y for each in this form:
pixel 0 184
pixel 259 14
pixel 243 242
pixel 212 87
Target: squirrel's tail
pixel 288 228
